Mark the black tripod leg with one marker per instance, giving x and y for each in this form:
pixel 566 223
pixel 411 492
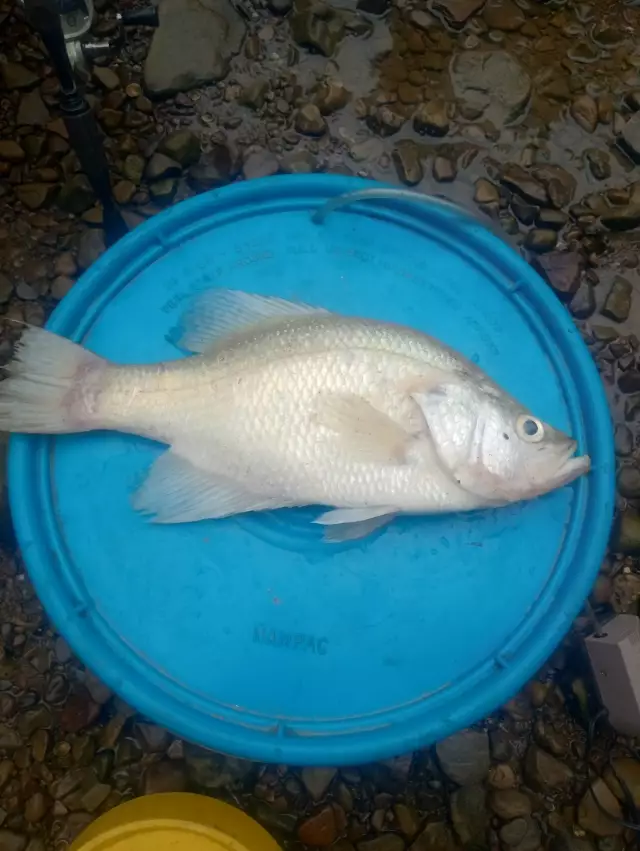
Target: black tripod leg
pixel 78 116
pixel 87 141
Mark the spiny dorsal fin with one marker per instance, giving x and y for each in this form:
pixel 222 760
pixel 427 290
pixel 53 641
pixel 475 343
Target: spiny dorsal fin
pixel 218 315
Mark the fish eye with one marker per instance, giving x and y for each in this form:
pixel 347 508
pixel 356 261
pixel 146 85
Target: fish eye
pixel 529 429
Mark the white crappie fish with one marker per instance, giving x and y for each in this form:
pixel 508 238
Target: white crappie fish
pixel 287 405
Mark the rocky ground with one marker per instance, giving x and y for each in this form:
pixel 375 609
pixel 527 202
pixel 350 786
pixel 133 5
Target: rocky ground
pixel 531 112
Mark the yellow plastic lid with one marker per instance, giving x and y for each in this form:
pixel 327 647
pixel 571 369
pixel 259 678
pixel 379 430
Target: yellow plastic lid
pixel 175 821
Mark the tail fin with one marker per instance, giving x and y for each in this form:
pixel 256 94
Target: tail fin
pixel 52 385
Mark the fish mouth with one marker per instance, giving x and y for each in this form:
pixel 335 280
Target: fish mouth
pixel 573 466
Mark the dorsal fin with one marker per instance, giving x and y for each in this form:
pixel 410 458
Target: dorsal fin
pixel 218 315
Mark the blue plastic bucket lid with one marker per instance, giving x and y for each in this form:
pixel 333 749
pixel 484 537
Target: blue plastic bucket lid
pixel 250 635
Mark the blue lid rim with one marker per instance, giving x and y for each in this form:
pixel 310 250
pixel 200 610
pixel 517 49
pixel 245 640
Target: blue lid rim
pixel 29 454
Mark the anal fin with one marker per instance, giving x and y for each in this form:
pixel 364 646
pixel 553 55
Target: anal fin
pixel 176 491
pixel 352 524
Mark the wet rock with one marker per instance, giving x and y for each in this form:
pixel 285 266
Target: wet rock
pixel 161 166
pixel 280 7
pixel 523 211
pixel 182 146
pixel 464 757
pixel 106 77
pixel 373 7
pixel 409 94
pixel 331 96
pixel 562 271
pixel 205 176
pixel 123 191
pixel 407 820
pixel 32 111
pixel 11 151
pixel 111 119
pixel 319 829
pixel 34 719
pixel 299 162
pixel 456 12
pixel 436 836
pixel 492 81
pixel 518 180
pixel 444 170
pixel 309 121
pixel 629 481
pixel 629 138
pixel 79 712
pixel 522 834
pixel 584 111
pixel 133 168
pixel 599 163
pixel 64 264
pixel 214 771
pixel 165 776
pixel 617 304
pixel 17 76
pixel 26 292
pixel 623 440
pixel 253 95
pixel 554 219
pixel 192 46
pixel 544 772
pixel 469 815
pixel 558 182
pixel 541 240
pixel 503 15
pixel 625 590
pixel 385 121
pixel 35 196
pixel 624 771
pixel 502 776
pixel 386 842
pixel 432 118
pixel 95 796
pixel 259 163
pixel 408 162
pixel 10 739
pixel 621 218
pixel 163 191
pixel 317 26
pixel 35 808
pixel 486 194
pixel 629 381
pixel 590 815
pixel 509 804
pixel 154 739
pixel 10 841
pixel 6 289
pixel 40 745
pixel 317 781
pixel 76 195
pixel 583 304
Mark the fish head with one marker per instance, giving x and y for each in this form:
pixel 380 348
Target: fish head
pixel 494 447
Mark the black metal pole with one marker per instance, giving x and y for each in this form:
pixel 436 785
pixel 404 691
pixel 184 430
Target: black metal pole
pixel 84 134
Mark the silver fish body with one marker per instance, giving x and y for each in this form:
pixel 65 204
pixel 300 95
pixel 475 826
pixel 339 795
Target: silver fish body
pixel 287 405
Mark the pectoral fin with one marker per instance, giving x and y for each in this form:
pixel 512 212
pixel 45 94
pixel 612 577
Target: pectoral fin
pixel 362 429
pixel 352 524
pixel 218 316
pixel 176 491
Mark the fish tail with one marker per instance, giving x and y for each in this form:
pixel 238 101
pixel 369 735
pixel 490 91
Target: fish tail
pixel 52 386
